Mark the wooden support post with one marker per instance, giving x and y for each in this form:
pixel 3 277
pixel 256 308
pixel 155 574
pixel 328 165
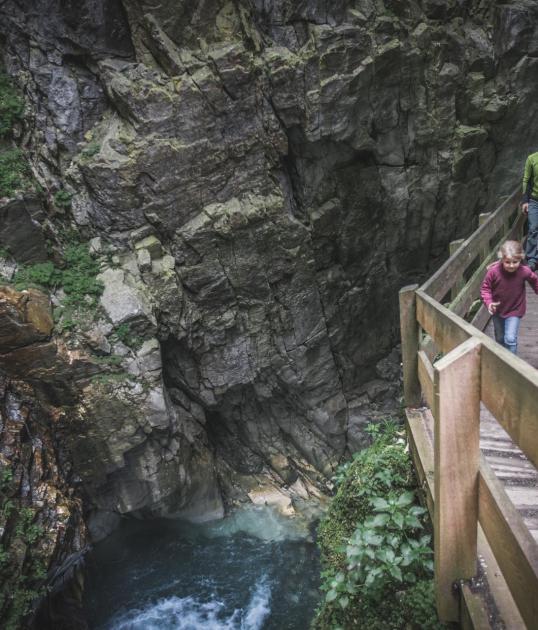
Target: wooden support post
pixel 409 332
pixel 452 247
pixel 456 461
pixel 482 218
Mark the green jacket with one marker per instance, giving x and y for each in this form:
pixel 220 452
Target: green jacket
pixel 530 178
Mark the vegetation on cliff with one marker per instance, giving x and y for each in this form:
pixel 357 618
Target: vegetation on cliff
pixel 78 278
pixel 11 105
pixel 15 173
pixel 375 551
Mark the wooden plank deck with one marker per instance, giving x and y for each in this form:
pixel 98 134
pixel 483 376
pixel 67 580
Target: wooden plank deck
pixel 518 475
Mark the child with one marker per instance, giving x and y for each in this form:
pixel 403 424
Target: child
pixel 503 293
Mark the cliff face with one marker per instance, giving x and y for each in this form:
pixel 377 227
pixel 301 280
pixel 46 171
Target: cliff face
pixel 263 177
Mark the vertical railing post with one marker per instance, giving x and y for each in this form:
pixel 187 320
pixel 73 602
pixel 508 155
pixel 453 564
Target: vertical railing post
pixel 482 218
pixel 409 334
pixel 458 286
pixel 456 460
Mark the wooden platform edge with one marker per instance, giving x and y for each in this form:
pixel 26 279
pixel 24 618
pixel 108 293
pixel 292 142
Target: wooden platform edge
pixel 474 613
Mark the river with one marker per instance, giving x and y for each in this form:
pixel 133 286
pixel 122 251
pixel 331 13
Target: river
pixel 253 570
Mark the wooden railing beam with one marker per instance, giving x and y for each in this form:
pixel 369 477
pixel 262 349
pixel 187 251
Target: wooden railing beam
pixel 469 292
pixel 511 395
pixel 462 302
pixel 513 546
pixel 456 456
pixel 453 247
pixel 484 251
pixel 509 385
pixel 425 376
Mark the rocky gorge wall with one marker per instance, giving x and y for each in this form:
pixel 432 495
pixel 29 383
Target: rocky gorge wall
pixel 257 180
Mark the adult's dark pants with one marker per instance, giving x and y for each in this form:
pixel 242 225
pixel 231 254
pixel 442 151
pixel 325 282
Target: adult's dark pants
pixel 531 248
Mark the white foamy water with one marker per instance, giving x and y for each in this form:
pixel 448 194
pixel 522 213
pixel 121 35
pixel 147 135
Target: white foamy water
pixel 189 613
pixel 261 522
pixel 255 570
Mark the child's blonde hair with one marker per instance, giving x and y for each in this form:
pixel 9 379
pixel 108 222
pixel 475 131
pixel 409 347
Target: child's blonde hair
pixel 511 249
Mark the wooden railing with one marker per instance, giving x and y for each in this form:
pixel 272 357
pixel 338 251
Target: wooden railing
pixel 449 363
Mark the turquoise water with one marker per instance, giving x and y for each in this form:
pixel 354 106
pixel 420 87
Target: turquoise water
pixel 250 571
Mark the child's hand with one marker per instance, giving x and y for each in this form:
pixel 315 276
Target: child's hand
pixel 492 308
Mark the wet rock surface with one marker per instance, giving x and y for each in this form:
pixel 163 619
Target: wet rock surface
pixel 42 532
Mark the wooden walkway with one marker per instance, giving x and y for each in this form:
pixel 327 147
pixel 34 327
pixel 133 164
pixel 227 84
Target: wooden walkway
pixel 520 481
pixel 518 475
pixel 462 391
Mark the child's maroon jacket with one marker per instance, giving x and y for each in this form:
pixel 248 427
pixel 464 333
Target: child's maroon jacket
pixel 508 289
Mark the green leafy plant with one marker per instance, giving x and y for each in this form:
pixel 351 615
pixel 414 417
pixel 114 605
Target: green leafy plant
pixel 4 556
pixel 78 279
pixel 62 198
pixel 14 172
pixel 21 559
pixel 7 508
pixel 90 150
pixel 111 378
pixel 382 433
pixel 124 334
pixel 65 318
pixel 6 476
pixel 26 529
pixel 383 550
pixel 11 105
pixel 374 543
pixel 39 274
pixel 113 360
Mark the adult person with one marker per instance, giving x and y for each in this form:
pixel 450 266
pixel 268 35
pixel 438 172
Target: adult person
pixel 529 206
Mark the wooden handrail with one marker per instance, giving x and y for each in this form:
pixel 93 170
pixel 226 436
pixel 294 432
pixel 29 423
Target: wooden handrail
pixel 512 544
pixel 451 272
pixel 467 295
pixel 509 385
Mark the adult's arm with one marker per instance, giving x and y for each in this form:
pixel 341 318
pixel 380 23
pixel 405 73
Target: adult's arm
pixel 527 183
